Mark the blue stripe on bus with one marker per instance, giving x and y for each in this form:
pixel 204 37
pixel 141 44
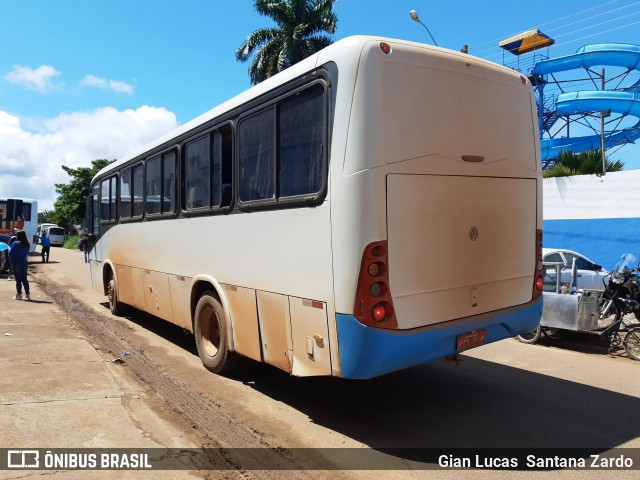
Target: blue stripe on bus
pixel 367 352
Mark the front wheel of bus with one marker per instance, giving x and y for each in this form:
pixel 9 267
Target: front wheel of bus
pixel 117 307
pixel 210 330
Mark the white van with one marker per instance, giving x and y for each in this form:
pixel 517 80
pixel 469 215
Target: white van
pixel 53 231
pixel 56 235
pixel 40 228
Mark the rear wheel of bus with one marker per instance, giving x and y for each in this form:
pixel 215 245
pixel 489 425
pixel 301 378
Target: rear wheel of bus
pixel 210 330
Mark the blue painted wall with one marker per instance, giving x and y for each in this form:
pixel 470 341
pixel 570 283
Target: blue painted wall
pixel 596 216
pixel 603 240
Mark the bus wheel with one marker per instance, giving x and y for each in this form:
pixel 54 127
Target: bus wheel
pixel 117 308
pixel 210 330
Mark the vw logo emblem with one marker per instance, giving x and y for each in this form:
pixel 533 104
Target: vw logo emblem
pixel 473 234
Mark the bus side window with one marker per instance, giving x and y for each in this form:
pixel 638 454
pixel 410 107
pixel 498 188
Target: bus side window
pixel 300 132
pixel 198 172
pixel 137 190
pixel 257 156
pixel 225 201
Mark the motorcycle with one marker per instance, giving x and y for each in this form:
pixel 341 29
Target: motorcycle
pixel 598 312
pixel 621 284
pixel 621 296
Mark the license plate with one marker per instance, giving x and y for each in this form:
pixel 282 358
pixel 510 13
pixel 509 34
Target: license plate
pixel 471 339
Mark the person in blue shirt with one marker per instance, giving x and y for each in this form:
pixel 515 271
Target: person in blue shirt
pixel 46 246
pixel 18 252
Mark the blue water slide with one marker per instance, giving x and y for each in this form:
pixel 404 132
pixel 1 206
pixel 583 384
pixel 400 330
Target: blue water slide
pixel 623 102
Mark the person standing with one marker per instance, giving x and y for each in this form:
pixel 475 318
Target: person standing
pixel 18 253
pixel 83 243
pixel 46 246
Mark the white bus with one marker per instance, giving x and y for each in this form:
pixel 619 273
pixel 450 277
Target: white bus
pixel 19 214
pixel 371 208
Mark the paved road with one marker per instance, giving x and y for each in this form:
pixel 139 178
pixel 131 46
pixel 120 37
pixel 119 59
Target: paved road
pixel 502 395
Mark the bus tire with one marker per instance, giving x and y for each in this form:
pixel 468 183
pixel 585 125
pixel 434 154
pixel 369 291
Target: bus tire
pixel 212 335
pixel 116 306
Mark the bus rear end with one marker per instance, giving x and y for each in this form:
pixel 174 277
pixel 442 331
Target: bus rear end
pixel 443 180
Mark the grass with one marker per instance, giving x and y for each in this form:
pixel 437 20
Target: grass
pixel 71 242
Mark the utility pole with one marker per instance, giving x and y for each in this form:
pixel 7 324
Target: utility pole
pixel 602 115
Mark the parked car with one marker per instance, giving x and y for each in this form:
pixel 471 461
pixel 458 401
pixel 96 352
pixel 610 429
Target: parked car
pixel 4 252
pixel 589 275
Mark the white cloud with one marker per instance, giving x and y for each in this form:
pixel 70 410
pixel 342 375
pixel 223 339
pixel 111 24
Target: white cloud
pixel 38 79
pixel 104 84
pixel 30 161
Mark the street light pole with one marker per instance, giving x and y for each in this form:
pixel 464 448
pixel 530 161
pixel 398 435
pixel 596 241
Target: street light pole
pixel 414 16
pixel 602 115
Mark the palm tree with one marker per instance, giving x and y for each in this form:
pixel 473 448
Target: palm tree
pixel 584 163
pixel 298 34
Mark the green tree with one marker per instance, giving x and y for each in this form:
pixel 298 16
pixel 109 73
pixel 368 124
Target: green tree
pixel 588 162
pixel 44 216
pixel 65 207
pixel 298 34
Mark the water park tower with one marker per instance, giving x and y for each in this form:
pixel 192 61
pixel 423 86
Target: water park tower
pixel 580 107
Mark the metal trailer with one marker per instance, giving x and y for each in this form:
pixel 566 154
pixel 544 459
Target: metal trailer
pixel 566 308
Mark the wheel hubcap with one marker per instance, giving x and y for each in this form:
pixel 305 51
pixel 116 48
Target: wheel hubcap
pixel 210 330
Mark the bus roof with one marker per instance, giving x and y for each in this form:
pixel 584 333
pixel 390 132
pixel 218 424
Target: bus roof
pixel 341 51
pixel 30 200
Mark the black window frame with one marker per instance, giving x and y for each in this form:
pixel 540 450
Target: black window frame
pixel 140 204
pixel 223 176
pixel 131 168
pixel 302 200
pixel 160 157
pixel 122 175
pixel 113 181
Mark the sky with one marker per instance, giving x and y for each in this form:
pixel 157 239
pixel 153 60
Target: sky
pixel 88 79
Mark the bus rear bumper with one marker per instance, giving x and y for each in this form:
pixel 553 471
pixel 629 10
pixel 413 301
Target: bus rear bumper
pixel 367 352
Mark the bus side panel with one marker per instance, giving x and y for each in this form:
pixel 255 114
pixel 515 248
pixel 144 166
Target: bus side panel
pixel 180 287
pixel 126 285
pixel 96 275
pixel 244 321
pixel 310 337
pixel 273 314
pixel 130 286
pixel 137 287
pixel 157 295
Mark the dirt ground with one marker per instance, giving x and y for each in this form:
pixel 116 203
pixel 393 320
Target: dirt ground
pixel 191 401
pixel 502 395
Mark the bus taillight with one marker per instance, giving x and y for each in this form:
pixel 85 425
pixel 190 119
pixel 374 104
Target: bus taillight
pixel 385 47
pixel 374 305
pixel 538 282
